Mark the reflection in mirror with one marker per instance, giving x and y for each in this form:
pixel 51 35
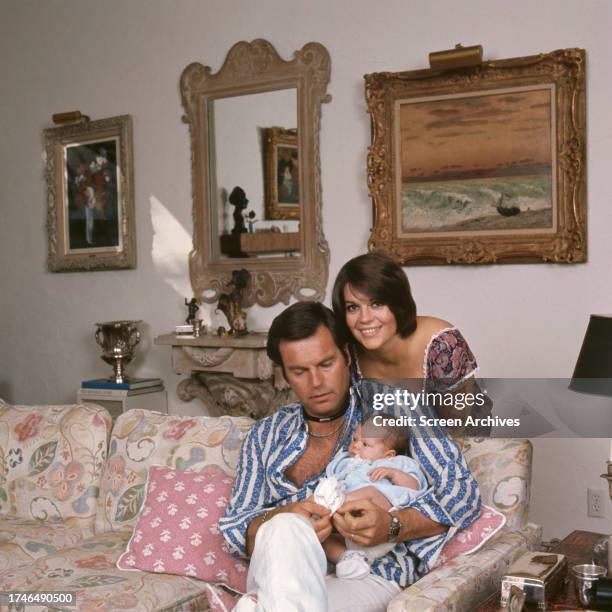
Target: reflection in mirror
pixel 254 175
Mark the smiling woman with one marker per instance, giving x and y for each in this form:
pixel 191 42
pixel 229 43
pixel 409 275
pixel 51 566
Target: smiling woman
pixel 373 302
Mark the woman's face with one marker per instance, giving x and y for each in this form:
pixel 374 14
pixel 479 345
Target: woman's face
pixel 371 323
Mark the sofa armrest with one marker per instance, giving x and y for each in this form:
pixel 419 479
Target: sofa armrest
pixel 465 581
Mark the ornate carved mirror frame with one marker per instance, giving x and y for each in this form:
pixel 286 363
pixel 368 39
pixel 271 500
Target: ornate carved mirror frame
pixel 253 68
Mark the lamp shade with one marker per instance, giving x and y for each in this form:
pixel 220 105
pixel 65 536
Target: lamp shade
pixel 593 371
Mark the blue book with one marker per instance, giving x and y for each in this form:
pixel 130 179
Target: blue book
pixel 130 383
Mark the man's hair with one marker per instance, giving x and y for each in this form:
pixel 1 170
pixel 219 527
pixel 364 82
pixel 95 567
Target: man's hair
pixel 381 279
pixel 300 321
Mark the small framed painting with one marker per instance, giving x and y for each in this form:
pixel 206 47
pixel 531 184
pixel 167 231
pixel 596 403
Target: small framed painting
pixel 282 173
pixel 480 165
pixel 90 195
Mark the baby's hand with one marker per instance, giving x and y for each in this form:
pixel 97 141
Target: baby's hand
pixel 395 476
pixel 382 472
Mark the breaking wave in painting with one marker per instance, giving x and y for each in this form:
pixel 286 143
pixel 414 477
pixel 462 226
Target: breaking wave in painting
pixel 480 204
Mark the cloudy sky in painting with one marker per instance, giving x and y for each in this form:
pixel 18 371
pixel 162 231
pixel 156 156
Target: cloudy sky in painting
pixel 482 132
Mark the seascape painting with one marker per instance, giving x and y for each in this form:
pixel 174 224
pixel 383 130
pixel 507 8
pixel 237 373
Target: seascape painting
pixel 480 162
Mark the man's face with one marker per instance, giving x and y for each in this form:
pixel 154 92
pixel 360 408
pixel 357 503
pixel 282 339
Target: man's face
pixel 317 371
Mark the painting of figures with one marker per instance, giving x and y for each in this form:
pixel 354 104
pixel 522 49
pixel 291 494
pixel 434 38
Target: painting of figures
pixel 93 219
pixel 90 195
pixel 282 173
pixel 477 162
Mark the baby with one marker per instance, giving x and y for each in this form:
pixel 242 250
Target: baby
pixel 375 468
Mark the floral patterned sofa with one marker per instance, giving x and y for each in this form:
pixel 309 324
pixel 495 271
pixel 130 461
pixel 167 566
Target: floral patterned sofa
pixel 51 462
pixel 67 510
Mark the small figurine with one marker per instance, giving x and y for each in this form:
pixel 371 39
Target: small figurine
pixel 231 303
pixel 239 200
pixel 221 331
pixel 192 309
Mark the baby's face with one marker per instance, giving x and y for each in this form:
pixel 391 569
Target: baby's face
pixel 367 447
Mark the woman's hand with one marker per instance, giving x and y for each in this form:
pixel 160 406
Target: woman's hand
pixel 362 522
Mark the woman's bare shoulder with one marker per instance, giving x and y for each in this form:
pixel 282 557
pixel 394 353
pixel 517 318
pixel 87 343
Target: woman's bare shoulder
pixel 431 325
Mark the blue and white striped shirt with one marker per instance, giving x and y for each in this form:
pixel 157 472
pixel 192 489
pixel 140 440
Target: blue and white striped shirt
pixel 276 442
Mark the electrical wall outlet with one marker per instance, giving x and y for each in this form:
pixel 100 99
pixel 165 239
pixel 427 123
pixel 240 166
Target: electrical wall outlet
pixel 597 500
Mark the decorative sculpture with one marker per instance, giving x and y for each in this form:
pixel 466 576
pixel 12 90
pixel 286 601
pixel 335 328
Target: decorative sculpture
pixel 192 310
pixel 239 201
pixel 231 303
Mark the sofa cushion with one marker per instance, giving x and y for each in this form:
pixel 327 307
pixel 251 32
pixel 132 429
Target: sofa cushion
pixel 51 460
pixel 24 540
pixel 89 570
pixel 142 438
pixel 502 468
pixel 177 529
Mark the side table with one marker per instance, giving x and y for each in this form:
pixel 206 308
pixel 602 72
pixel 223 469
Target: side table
pixel 578 548
pixel 229 374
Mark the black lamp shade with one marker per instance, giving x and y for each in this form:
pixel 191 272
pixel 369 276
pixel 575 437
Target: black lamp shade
pixel 593 372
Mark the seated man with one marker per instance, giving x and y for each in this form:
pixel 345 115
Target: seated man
pixel 270 517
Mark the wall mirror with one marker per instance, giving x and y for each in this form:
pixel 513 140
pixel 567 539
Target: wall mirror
pixel 256 182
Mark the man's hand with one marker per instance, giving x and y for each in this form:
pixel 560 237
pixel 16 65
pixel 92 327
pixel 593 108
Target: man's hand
pixel 317 515
pixel 397 477
pixel 362 522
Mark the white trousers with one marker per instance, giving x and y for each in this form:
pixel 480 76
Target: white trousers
pixel 288 569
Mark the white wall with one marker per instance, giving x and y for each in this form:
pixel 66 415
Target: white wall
pixel 114 57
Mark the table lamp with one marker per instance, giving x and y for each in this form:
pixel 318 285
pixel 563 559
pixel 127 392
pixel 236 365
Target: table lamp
pixel 593 371
pixel 593 375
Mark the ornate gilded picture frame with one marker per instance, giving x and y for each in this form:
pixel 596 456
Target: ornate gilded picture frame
pixel 282 170
pixel 90 195
pixel 480 165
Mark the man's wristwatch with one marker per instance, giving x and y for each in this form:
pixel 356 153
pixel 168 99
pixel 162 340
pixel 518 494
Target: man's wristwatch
pixel 394 528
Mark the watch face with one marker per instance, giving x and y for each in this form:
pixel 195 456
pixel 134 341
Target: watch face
pixel 394 529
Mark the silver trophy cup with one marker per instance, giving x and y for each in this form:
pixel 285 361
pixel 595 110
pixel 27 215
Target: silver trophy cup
pixel 118 339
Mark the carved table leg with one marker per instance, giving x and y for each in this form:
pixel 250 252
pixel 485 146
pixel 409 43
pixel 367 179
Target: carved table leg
pixel 226 394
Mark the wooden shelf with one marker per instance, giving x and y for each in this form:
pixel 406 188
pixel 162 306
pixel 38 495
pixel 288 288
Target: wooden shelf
pixel 269 242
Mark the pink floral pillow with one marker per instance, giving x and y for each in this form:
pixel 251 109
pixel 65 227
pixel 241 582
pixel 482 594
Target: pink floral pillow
pixel 177 528
pixel 471 538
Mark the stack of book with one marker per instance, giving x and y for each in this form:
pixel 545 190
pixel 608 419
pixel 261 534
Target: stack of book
pixel 103 388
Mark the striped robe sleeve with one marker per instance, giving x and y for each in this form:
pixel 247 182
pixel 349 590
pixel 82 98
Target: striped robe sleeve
pixel 249 496
pixel 453 498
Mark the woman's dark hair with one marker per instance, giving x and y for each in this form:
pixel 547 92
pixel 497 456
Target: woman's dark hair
pixel 300 321
pixel 381 279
